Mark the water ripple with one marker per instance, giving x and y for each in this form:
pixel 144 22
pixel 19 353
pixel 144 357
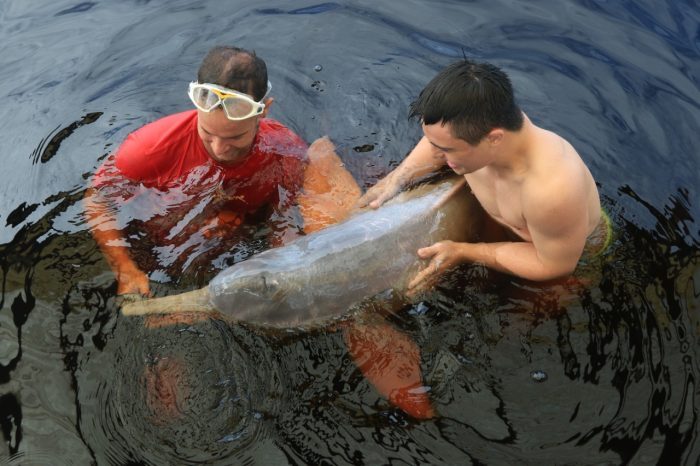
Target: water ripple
pixel 79 8
pixel 618 79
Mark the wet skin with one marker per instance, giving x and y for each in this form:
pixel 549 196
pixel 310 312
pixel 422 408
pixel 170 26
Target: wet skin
pixel 228 141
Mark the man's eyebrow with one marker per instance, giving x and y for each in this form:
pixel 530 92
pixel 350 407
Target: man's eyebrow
pixel 444 149
pixel 225 137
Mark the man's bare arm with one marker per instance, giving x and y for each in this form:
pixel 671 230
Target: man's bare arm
pixel 521 259
pixel 558 229
pixel 103 225
pixel 420 161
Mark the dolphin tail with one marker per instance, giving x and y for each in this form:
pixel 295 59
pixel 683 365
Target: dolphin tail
pixel 191 301
pixel 390 360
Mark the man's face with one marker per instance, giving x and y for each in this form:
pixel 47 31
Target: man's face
pixel 225 140
pixel 460 156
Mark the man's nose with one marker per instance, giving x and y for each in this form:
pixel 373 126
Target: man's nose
pixel 219 146
pixel 438 153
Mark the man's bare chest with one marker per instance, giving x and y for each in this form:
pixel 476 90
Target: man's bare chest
pixel 502 201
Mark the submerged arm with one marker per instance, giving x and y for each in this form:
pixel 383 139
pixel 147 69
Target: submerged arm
pixel 103 225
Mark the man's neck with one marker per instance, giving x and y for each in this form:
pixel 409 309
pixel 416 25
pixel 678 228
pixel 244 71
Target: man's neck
pixel 514 152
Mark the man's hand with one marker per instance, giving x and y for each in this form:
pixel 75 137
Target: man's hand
pixel 222 225
pixel 381 192
pixel 442 257
pixel 131 280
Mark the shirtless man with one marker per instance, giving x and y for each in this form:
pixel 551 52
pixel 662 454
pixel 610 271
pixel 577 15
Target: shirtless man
pixel 529 180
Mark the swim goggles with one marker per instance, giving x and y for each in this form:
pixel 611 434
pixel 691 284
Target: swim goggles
pixel 237 105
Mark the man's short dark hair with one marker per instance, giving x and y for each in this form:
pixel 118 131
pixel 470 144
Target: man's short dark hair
pixel 473 97
pixel 236 68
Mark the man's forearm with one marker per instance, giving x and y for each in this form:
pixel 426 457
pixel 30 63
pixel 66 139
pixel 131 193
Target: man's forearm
pixel 111 244
pixel 107 235
pixel 420 161
pixel 514 258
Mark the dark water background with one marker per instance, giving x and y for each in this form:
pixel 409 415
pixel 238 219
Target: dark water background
pixel 618 78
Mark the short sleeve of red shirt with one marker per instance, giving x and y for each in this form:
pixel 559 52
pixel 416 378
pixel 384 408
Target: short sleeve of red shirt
pixel 162 151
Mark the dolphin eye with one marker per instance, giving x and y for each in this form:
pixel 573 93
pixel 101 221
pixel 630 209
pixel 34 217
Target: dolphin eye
pixel 270 285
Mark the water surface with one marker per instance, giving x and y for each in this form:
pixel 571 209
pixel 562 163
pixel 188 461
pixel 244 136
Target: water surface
pixel 608 377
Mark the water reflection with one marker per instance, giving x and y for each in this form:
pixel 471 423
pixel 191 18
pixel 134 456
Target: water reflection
pixel 168 400
pixel 628 341
pixel 46 150
pixel 620 355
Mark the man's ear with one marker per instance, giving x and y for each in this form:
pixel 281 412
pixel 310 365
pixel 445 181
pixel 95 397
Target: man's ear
pixel 495 136
pixel 268 103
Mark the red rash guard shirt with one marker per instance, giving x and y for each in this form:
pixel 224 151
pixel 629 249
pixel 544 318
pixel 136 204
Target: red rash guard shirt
pixel 163 183
pixel 164 153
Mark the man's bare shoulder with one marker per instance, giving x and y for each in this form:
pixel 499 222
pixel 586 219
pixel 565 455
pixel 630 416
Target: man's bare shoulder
pixel 558 178
pixel 548 147
pixel 560 189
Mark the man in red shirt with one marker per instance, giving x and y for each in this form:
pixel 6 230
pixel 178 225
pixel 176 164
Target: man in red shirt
pixel 184 184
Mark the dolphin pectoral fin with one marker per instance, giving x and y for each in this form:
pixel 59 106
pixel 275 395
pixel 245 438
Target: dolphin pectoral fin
pixel 165 392
pixel 330 191
pixel 191 301
pixel 391 362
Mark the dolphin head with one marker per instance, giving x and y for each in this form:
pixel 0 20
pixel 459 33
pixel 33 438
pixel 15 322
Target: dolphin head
pixel 253 290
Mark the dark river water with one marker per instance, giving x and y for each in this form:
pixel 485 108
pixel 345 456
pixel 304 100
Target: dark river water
pixel 608 377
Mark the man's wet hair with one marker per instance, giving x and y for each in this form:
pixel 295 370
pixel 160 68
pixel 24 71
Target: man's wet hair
pixel 473 97
pixel 236 68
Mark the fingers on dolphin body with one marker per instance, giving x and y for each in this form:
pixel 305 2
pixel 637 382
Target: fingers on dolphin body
pixel 137 287
pixel 378 194
pixel 424 274
pixel 375 200
pixel 366 198
pixel 432 267
pixel 385 196
pixel 427 252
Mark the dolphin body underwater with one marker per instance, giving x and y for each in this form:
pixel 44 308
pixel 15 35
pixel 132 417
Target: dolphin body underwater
pixel 322 277
pixel 319 277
